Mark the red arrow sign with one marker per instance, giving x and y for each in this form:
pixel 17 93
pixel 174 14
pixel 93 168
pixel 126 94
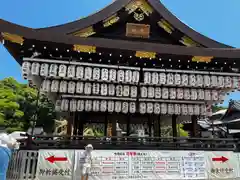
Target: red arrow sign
pixel 220 159
pixel 53 159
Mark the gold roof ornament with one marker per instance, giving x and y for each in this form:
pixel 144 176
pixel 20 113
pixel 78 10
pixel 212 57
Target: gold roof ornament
pixel 13 38
pixel 205 59
pixel 84 48
pixel 187 41
pixel 144 54
pixel 139 4
pixel 111 20
pixel 166 26
pixel 85 32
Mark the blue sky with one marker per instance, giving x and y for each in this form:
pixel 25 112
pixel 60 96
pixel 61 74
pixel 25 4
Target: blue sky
pixel 217 19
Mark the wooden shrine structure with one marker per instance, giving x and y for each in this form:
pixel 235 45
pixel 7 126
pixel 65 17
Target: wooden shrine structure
pixel 133 64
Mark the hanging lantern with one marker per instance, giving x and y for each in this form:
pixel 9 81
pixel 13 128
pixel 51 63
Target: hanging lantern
pixel 88 105
pixel 209 110
pixel 173 93
pixel 128 76
pixel 207 94
pixel 170 79
pixel 196 109
pixel 201 94
pixel 203 110
pixel 79 87
pixel 71 87
pixel 184 109
pixel 190 110
pixel 44 70
pixel 96 73
pixel 220 81
pixel 157 108
pixel 63 105
pixel 71 71
pixel 58 105
pixel 177 109
pixel 214 81
pixel 26 69
pixel 186 94
pixel 144 92
pixel 133 91
pixel 46 85
pixel 87 88
pixel 63 87
pixel 207 81
pixel 142 108
pixel 35 70
pixel 194 94
pixel 110 106
pixel 66 105
pixel 120 76
pixel 132 107
pixel 111 89
pixel 96 105
pixel 119 90
pixel 227 82
pixel 151 91
pixel 165 93
pixel 158 92
pixel 104 89
pixel 118 106
pixel 104 74
pixel 164 108
pixel 184 78
pixel 103 106
pixel 88 73
pixel 180 93
pixel 162 78
pixel 73 105
pixel 125 107
pixel 126 91
pixel 199 81
pixel 53 70
pixel 112 74
pixel 155 78
pixel 135 76
pixel 80 72
pixel 235 83
pixel 54 86
pixel 192 80
pixel 147 77
pixel 170 109
pixel 215 96
pixel 80 105
pixel 149 108
pixel 177 79
pixel 62 71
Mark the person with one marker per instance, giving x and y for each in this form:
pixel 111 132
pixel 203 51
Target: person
pixel 7 145
pixel 87 162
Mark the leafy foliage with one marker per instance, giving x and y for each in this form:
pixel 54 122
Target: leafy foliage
pixel 218 108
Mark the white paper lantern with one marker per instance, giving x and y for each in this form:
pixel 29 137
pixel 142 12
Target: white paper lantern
pixel 120 76
pixel 203 110
pixel 128 76
pixel 170 79
pixel 142 108
pixel 199 81
pixel 157 108
pixel 184 109
pixel 147 77
pixel 215 96
pixel 207 81
pixel 73 105
pixel 80 105
pixel 66 105
pixel 207 94
pixel 96 105
pixel 155 78
pixel 149 108
pixel 79 87
pixel 96 88
pixel 184 78
pixel 164 108
pixel 54 86
pixel 132 107
pixel 63 87
pixel 227 82
pixel 144 92
pixel 170 109
pixel 119 90
pixel 87 88
pixel 110 106
pixel 194 94
pixel 214 81
pixel 62 71
pixel 104 89
pixel 71 71
pixel 173 93
pixel 112 74
pixel 235 84
pixel 135 76
pixel 201 94
pixel 35 69
pixel 53 70
pixel 88 105
pixel 186 94
pixel 44 69
pixel 58 105
pixel 46 85
pixel 26 69
pixel 125 107
pixel 88 73
pixel 177 79
pixel 177 109
pixel 151 91
pixel 111 89
pixel 133 92
pixel 196 109
pixel 190 110
pixel 118 106
pixel 162 78
pixel 126 91
pixel 104 74
pixel 220 81
pixel 158 93
pixel 192 80
pixel 80 72
pixel 96 73
pixel 180 93
pixel 165 93
pixel 71 87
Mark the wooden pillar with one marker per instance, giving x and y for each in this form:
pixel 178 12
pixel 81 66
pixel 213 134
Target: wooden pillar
pixel 70 124
pixel 81 121
pixel 128 124
pixel 149 126
pixel 174 125
pixel 159 125
pixel 106 124
pixel 114 122
pixel 194 126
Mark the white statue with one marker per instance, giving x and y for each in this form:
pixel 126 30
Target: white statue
pixel 87 162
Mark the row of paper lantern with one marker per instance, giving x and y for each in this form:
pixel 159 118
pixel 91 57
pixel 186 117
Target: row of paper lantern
pixel 130 107
pixel 80 72
pixel 192 80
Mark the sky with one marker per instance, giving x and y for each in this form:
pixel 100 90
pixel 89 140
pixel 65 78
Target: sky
pixel 217 19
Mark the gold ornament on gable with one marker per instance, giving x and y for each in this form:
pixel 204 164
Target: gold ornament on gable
pixel 138 16
pixel 205 59
pixel 166 26
pixel 137 30
pixel 111 20
pixel 139 4
pixel 12 38
pixel 187 41
pixel 84 48
pixel 144 54
pixel 85 32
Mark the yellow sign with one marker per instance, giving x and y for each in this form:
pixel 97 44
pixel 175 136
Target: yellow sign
pixel 85 49
pixel 202 59
pixel 143 54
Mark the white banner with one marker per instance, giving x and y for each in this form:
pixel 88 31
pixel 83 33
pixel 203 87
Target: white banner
pixel 55 165
pixel 148 165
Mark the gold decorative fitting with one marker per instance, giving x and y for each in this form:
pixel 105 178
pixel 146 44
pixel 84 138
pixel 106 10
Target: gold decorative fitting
pixel 202 59
pixel 143 54
pixel 85 32
pixel 85 49
pixel 138 16
pixel 187 41
pixel 166 26
pixel 138 30
pixel 139 4
pixel 13 38
pixel 110 21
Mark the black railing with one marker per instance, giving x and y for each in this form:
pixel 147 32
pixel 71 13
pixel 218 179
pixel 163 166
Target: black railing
pixel 137 143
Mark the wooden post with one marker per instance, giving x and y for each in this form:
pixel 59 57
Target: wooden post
pixel 81 124
pixel 106 124
pixel 70 124
pixel 149 126
pixel 194 132
pixel 174 125
pixel 159 125
pixel 128 124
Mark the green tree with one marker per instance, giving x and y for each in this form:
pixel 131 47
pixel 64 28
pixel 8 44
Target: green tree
pixel 218 108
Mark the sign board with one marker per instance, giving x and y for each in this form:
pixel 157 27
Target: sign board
pixel 55 165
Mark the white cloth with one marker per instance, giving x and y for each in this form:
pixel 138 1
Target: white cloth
pixel 8 141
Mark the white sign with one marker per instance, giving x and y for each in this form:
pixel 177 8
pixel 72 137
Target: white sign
pixel 136 165
pixel 55 165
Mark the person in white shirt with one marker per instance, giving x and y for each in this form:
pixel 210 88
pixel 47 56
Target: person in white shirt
pixel 87 162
